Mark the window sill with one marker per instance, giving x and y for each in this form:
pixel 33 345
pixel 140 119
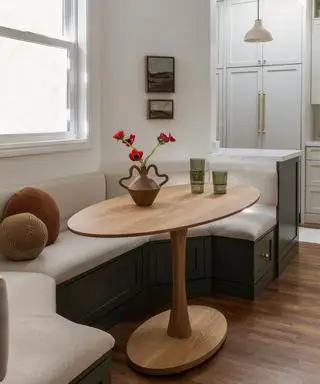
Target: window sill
pixel 44 147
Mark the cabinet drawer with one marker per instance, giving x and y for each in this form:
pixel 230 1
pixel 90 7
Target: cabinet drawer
pixel 313 173
pixel 313 153
pixel 313 199
pixel 263 256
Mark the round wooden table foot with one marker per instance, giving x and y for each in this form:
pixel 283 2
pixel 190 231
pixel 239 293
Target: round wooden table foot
pixel 151 351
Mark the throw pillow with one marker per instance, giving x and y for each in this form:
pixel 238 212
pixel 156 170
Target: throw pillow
pixel 40 204
pixel 22 237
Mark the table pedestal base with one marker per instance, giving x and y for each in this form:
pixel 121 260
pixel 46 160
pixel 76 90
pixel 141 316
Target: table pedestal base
pixel 151 351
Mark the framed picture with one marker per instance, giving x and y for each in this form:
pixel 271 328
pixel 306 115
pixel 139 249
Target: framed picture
pixel 160 74
pixel 160 109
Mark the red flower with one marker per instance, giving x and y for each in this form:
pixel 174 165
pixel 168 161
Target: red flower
pixel 163 138
pixel 135 155
pixel 171 138
pixel 130 140
pixel 119 135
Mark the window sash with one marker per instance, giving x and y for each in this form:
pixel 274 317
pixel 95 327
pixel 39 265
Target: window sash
pixel 70 44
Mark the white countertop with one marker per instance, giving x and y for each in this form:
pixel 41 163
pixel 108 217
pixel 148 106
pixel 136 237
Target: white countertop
pixel 312 143
pixel 235 158
pixel 258 155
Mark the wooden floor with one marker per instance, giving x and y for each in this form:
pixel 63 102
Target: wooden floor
pixel 275 340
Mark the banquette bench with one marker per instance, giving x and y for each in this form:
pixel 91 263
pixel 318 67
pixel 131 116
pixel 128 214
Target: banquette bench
pixel 101 281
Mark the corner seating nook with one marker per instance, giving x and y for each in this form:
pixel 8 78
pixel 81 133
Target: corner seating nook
pixel 237 256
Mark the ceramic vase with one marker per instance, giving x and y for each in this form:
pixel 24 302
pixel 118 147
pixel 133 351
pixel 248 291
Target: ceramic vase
pixel 143 189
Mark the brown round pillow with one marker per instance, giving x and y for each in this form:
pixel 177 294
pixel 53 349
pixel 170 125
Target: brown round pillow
pixel 22 237
pixel 40 204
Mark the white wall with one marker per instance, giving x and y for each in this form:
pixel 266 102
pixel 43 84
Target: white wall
pixel 133 29
pixel 28 169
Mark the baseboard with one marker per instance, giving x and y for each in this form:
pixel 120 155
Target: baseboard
pixel 286 259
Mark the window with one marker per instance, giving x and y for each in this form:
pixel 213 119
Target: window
pixel 41 72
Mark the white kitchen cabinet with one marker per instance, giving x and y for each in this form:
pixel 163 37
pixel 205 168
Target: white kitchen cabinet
pixel 220 34
pixel 264 107
pixel 243 125
pixel 281 107
pixel 315 83
pixel 313 173
pixel 284 19
pixel 313 200
pixel 313 153
pixel 240 17
pixel 220 106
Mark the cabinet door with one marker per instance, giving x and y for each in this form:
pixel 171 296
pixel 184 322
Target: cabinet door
pixel 281 107
pixel 315 79
pixel 243 125
pixel 284 19
pixel 220 120
pixel 220 33
pixel 241 15
pixel 313 200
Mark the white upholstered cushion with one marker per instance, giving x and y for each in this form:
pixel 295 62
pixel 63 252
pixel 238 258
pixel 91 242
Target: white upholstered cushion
pixel 49 349
pixel 43 346
pixel 75 193
pixel 70 193
pixel 30 293
pixel 250 224
pixel 72 255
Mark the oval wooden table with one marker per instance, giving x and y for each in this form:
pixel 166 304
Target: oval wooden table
pixel 184 337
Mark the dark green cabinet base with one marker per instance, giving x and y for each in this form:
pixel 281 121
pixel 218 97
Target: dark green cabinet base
pixel 98 373
pixel 243 268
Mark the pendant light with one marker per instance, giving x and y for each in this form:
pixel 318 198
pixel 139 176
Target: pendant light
pixel 258 34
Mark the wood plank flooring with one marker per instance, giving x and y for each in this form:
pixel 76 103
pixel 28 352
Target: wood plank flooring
pixel 274 340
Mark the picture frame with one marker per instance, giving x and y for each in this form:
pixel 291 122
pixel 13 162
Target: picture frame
pixel 160 74
pixel 160 109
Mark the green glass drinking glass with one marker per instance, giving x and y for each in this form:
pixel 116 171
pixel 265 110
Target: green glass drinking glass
pixel 197 175
pixel 219 179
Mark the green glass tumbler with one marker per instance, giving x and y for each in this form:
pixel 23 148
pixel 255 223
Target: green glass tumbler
pixel 219 179
pixel 197 175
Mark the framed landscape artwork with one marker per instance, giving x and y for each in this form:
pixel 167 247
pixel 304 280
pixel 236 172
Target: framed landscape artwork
pixel 160 74
pixel 160 109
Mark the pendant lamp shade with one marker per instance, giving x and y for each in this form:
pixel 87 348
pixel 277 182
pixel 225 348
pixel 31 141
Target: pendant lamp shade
pixel 258 34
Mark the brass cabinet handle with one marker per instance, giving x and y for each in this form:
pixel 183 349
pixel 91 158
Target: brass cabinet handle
pixel 259 112
pixel 315 150
pixel 315 166
pixel 264 95
pixel 266 256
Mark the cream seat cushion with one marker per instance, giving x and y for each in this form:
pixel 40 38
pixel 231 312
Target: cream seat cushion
pixel 43 346
pixel 49 349
pixel 73 255
pixel 250 224
pixel 30 294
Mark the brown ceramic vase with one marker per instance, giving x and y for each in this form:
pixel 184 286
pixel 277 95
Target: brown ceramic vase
pixel 143 189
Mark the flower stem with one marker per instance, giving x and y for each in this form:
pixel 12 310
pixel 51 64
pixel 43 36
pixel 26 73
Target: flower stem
pixel 150 154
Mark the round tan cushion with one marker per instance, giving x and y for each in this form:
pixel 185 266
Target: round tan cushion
pixel 40 204
pixel 22 237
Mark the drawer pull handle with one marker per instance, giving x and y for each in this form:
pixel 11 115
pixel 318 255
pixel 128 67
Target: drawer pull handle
pixel 266 256
pixel 315 150
pixel 315 166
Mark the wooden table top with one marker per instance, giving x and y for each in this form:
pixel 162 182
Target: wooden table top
pixel 175 208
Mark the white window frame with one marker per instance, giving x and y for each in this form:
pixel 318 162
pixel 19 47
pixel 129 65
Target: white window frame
pixel 77 135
